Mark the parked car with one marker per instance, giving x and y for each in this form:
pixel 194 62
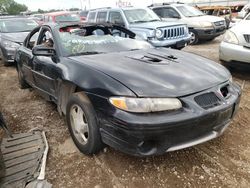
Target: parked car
pixel 235 47
pixel 201 27
pixel 124 92
pixel 83 15
pixel 244 11
pixel 146 24
pixel 220 11
pixel 39 18
pixel 62 16
pixel 13 31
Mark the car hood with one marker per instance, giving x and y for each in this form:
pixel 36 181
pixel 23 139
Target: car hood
pixel 153 25
pixel 15 37
pixel 205 18
pixel 158 72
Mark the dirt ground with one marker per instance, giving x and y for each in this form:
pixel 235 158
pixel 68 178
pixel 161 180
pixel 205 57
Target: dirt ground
pixel 222 162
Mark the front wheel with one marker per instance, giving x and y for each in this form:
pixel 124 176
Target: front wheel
pixel 82 124
pixel 194 37
pixel 22 83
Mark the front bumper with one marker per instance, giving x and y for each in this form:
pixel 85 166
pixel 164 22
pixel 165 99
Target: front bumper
pixel 174 43
pixel 206 34
pixel 232 52
pixel 8 55
pixel 157 133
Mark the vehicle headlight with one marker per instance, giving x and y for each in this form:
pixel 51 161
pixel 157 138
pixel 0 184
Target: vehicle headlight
pixel 10 45
pixel 144 105
pixel 158 33
pixel 206 24
pixel 230 37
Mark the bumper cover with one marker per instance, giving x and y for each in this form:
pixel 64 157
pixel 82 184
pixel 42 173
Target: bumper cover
pixel 8 55
pixel 157 133
pixel 232 52
pixel 175 43
pixel 207 34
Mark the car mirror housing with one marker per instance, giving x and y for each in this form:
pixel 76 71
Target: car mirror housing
pixel 43 51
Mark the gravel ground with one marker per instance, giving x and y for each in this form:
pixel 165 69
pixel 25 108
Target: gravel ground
pixel 222 162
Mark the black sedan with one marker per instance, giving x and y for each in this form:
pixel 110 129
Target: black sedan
pixel 125 93
pixel 13 31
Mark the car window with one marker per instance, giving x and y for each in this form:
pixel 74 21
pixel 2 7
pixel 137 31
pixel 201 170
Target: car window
pixel 140 15
pixel 84 13
pixel 46 39
pixel 189 11
pixel 166 12
pixel 101 17
pixel 68 18
pixel 91 17
pixel 32 40
pixel 50 19
pixel 116 18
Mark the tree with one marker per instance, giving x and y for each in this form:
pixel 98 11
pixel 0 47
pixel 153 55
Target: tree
pixel 12 7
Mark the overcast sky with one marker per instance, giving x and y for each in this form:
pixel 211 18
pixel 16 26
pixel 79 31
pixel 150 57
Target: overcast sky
pixel 66 4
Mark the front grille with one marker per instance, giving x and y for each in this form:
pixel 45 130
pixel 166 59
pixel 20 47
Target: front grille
pixel 207 100
pixel 247 38
pixel 174 33
pixel 219 23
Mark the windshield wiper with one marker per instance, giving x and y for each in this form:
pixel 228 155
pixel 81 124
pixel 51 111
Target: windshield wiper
pixel 86 53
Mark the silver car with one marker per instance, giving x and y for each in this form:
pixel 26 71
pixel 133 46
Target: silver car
pixel 235 46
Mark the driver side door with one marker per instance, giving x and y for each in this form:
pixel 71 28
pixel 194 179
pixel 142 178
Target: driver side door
pixel 45 71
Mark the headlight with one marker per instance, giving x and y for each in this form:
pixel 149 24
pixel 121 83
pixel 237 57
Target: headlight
pixel 230 37
pixel 10 45
pixel 158 33
pixel 144 105
pixel 206 24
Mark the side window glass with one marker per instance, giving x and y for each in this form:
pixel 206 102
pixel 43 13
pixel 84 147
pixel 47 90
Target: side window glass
pixel 116 18
pixel 32 40
pixel 50 19
pixel 91 17
pixel 46 39
pixel 101 17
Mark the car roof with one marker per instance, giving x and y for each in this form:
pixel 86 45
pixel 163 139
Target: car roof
pixel 115 8
pixel 157 5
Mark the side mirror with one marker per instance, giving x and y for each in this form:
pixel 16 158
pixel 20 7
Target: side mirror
pixel 177 17
pixel 43 51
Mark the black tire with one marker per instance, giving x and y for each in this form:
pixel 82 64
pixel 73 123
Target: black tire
pixel 22 83
pixel 79 101
pixel 194 37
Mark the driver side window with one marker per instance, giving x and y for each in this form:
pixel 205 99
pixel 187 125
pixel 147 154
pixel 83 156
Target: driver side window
pixel 116 18
pixel 46 39
pixel 31 43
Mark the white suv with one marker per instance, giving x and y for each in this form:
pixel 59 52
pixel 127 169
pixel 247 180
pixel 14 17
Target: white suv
pixel 145 24
pixel 201 27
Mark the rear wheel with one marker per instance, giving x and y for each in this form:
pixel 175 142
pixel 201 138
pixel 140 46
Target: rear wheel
pixel 82 124
pixel 194 37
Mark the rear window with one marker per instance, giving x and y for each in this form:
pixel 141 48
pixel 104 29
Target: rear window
pixel 68 18
pixel 84 13
pixel 91 17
